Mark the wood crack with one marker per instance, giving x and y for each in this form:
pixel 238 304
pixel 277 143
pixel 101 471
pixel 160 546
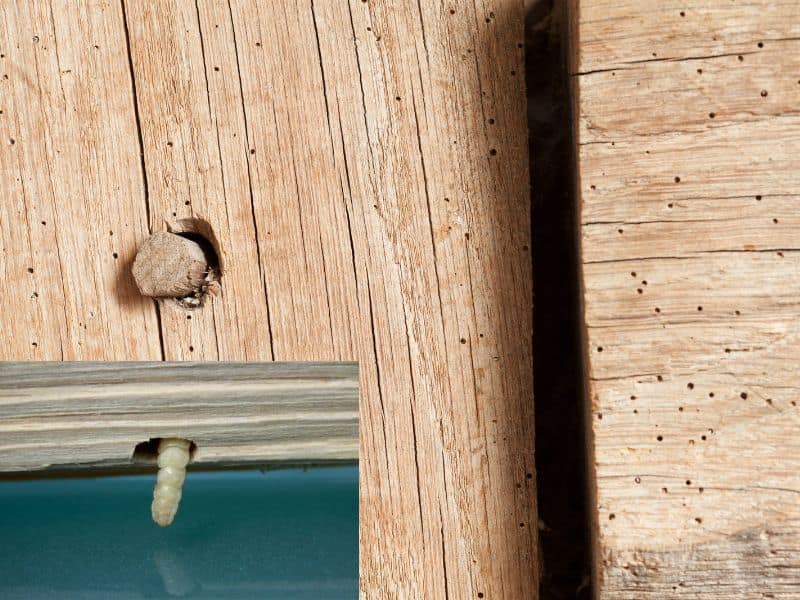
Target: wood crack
pixel 322 77
pixel 378 375
pixel 203 55
pixel 138 119
pixel 257 236
pixel 414 424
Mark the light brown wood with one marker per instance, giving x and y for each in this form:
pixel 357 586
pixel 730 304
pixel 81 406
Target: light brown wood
pixel 72 209
pixel 363 168
pixel 90 415
pixel 170 266
pixel 689 154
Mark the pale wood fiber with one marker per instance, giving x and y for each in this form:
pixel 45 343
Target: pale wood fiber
pixel 689 152
pixel 169 266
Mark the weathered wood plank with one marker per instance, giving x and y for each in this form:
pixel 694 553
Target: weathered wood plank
pixel 689 138
pixel 72 209
pixel 78 415
pixel 390 229
pixel 363 167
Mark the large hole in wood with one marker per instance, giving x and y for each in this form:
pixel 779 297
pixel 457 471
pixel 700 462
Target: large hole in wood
pixel 147 452
pixel 201 233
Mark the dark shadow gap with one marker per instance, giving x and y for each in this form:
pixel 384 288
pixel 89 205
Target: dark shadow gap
pixel 559 375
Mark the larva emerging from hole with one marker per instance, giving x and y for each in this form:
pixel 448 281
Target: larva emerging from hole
pixel 173 456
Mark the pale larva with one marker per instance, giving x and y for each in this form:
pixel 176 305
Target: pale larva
pixel 173 456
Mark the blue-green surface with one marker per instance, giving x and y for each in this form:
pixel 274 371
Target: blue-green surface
pixel 287 534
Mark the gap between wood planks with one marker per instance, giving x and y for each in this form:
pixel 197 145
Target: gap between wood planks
pixel 559 375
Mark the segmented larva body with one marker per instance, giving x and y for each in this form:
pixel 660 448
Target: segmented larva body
pixel 173 456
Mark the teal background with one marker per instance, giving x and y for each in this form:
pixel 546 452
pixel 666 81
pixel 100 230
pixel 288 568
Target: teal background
pixel 288 534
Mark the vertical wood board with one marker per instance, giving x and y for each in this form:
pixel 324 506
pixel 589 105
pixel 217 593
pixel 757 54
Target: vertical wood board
pixel 363 169
pixel 688 143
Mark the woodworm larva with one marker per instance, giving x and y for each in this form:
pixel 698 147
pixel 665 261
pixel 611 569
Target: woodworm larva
pixel 173 456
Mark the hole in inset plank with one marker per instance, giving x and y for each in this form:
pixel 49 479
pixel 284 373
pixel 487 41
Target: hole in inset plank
pixel 147 452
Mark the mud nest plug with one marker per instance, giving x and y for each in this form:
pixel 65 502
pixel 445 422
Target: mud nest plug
pixel 169 265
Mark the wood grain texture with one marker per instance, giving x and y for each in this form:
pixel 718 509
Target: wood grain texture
pixel 689 144
pixel 72 210
pixel 363 167
pixel 81 415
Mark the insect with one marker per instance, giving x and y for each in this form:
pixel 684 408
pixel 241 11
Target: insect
pixel 210 285
pixel 173 456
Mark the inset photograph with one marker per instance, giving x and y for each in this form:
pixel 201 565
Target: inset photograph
pixel 190 480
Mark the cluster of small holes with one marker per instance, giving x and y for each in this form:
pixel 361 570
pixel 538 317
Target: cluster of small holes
pixel 690 385
pixel 640 289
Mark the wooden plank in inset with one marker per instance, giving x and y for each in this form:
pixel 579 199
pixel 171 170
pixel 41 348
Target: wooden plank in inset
pixel 89 415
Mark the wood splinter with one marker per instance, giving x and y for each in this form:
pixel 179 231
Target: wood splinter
pixel 172 266
pixel 173 456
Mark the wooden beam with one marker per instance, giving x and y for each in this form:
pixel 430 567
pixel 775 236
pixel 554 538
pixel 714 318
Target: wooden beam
pixel 689 151
pixel 362 169
pixel 88 415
